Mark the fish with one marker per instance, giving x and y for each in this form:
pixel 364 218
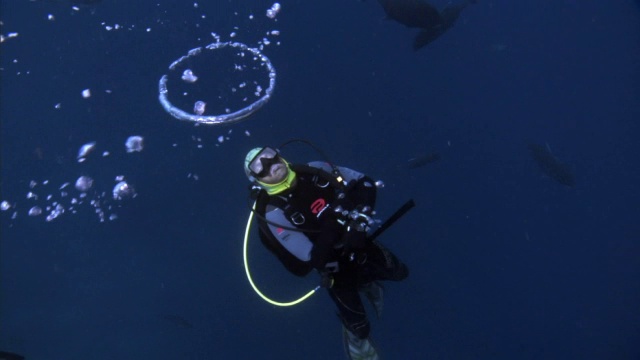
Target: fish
pixel 73 2
pixel 420 14
pixel 85 2
pixel 5 355
pixel 412 13
pixel 551 166
pixel 420 161
pixel 178 321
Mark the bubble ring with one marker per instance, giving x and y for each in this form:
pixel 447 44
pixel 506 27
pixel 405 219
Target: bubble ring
pixel 222 118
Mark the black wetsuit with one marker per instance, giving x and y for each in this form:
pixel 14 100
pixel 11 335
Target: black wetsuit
pixel 309 206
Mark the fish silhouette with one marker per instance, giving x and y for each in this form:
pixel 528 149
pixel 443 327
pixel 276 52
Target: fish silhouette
pixel 5 355
pixel 78 3
pixel 420 14
pixel 178 321
pixel 551 166
pixel 422 160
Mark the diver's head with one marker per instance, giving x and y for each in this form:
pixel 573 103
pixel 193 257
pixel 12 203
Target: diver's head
pixel 265 167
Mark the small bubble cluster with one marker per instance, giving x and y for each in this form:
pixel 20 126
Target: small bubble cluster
pixel 42 198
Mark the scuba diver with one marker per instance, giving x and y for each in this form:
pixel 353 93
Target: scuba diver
pixel 320 216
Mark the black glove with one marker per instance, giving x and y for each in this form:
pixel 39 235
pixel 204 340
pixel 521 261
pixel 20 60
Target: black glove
pixel 330 234
pixel 355 235
pixel 326 280
pixel 254 191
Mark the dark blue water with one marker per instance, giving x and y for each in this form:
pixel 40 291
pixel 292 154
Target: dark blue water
pixel 506 262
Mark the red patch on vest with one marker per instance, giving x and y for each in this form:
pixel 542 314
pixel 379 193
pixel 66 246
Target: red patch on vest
pixel 317 205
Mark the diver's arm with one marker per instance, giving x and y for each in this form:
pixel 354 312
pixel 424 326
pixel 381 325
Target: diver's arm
pixel 331 233
pixel 363 192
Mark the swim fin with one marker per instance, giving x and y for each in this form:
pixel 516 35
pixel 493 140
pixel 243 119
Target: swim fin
pixel 358 349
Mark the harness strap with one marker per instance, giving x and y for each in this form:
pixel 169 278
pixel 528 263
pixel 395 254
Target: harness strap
pixel 333 180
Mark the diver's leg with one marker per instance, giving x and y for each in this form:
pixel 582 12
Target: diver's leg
pixel 375 293
pixel 350 309
pixel 382 264
pixel 379 263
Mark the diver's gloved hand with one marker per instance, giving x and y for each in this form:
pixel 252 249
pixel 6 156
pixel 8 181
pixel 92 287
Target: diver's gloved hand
pixel 326 280
pixel 330 235
pixel 254 191
pixel 355 235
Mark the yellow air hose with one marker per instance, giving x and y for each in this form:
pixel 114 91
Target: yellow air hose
pixel 246 268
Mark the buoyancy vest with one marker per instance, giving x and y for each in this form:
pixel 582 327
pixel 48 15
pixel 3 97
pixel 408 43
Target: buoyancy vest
pixel 301 208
